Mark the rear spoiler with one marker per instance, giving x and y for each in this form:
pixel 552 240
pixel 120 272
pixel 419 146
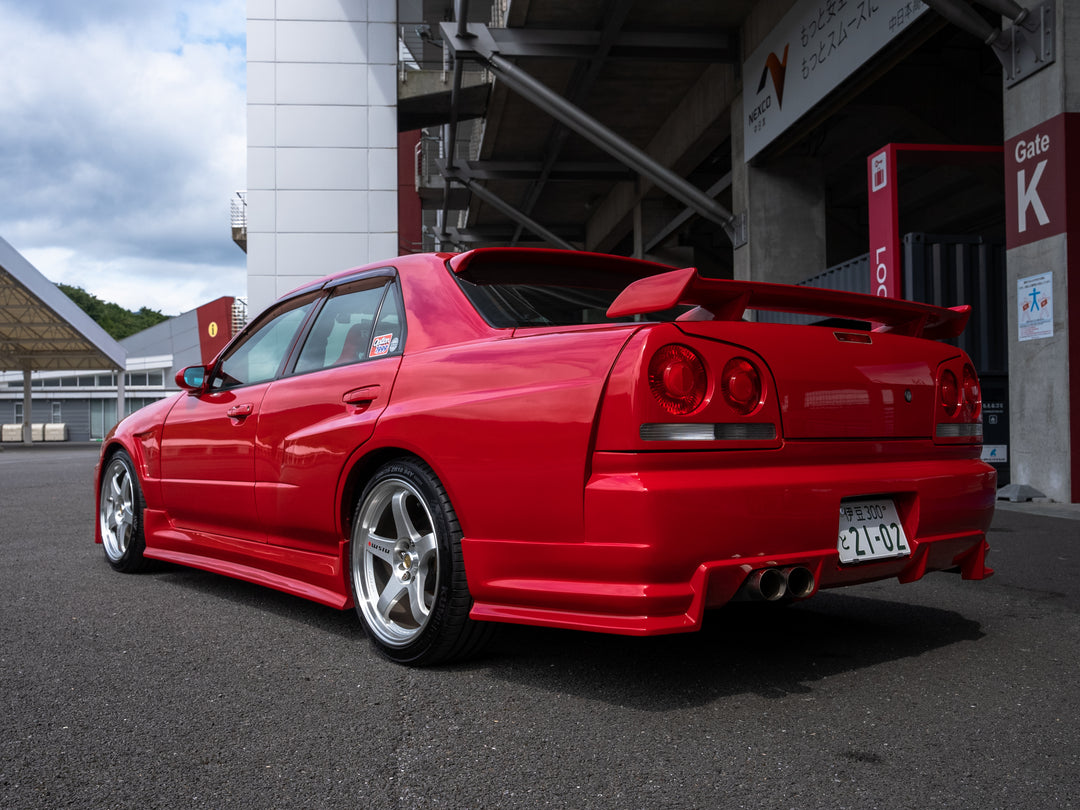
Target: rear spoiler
pixel 726 300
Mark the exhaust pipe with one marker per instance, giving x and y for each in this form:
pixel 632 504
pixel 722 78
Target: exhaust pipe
pixel 769 584
pixel 800 582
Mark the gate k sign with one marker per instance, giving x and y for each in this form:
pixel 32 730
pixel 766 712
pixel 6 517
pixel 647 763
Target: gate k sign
pixel 1035 183
pixel 883 194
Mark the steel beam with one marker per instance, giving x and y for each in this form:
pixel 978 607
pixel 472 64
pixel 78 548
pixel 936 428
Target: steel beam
pixel 682 218
pixel 581 83
pixel 501 234
pixel 589 128
pixel 501 205
pixel 530 170
pixel 680 46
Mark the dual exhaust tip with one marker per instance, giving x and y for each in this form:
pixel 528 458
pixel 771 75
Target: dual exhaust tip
pixel 773 584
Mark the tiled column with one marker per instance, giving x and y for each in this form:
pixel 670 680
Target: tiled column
pixel 322 139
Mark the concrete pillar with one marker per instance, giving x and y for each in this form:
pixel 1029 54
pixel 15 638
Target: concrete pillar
pixel 121 395
pixel 784 202
pixel 1042 174
pixel 27 414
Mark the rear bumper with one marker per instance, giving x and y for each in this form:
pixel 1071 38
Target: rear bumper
pixel 669 534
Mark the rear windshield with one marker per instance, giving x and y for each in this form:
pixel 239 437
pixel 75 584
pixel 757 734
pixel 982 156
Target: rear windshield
pixel 555 296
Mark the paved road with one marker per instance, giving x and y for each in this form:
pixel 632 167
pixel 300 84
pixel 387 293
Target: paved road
pixel 179 689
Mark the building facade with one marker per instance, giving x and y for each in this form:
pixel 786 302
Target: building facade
pixel 776 140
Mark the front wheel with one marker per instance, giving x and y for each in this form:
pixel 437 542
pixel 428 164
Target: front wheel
pixel 407 573
pixel 120 515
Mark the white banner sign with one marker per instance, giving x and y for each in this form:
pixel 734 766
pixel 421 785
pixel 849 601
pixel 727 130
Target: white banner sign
pixel 817 45
pixel 1035 306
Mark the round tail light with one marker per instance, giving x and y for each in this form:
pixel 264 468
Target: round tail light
pixel 949 392
pixel 972 393
pixel 741 385
pixel 677 379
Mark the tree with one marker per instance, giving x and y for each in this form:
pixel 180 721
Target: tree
pixel 113 318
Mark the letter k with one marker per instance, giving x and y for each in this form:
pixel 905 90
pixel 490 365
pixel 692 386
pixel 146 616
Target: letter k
pixel 1029 195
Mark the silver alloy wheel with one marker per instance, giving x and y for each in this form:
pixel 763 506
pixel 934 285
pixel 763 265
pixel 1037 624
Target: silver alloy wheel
pixel 117 509
pixel 395 562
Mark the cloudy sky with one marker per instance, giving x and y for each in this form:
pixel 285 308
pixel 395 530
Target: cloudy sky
pixel 122 139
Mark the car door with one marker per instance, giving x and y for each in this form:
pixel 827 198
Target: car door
pixel 208 440
pixel 315 416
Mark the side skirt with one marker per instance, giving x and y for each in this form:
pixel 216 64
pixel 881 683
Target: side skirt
pixel 318 577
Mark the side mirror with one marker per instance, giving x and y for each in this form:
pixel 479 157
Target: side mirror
pixel 192 378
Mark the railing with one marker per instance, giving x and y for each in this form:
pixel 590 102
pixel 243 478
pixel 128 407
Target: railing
pixel 420 47
pixel 239 314
pixel 238 210
pixel 238 218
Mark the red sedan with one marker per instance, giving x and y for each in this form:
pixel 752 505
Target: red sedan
pixel 562 439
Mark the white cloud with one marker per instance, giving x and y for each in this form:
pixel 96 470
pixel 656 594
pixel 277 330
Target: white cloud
pixel 121 142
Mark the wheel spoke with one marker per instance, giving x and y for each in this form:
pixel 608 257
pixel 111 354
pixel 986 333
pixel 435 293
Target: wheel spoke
pixel 402 521
pixel 124 527
pixel 390 596
pixel 426 547
pixel 379 547
pixel 416 599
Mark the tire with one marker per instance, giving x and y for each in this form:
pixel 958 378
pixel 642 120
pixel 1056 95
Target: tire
pixel 120 515
pixel 407 573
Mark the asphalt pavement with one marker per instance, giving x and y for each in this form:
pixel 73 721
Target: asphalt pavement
pixel 182 689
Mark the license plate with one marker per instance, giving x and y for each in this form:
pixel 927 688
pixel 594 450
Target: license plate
pixel 870 530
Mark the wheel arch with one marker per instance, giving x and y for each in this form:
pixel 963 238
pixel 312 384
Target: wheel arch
pixel 359 474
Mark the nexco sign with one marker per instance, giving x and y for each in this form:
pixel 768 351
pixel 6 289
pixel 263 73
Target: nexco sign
pixel 1035 183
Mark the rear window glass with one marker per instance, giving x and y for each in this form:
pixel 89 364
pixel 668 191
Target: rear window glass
pixel 555 296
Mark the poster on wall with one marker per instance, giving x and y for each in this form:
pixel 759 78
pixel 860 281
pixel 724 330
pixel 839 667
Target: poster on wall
pixel 1035 306
pixel 817 45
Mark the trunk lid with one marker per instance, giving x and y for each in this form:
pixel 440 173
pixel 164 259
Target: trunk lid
pixel 841 384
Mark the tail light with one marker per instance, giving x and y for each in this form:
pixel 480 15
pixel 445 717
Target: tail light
pixel 949 393
pixel 725 408
pixel 972 393
pixel 959 409
pixel 678 379
pixel 741 385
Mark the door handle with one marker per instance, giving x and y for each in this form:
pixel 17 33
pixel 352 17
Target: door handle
pixel 361 396
pixel 240 411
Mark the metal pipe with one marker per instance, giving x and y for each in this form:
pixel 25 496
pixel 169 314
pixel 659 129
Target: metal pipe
pixel 800 581
pixel 965 17
pixel 591 129
pixel 461 14
pixel 503 206
pixel 767 583
pixel 1006 8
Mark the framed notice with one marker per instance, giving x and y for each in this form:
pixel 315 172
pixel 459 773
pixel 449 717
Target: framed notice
pixel 1035 306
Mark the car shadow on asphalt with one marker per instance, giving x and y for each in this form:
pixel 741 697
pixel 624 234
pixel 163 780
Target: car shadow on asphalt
pixel 761 649
pixel 342 623
pixel 743 648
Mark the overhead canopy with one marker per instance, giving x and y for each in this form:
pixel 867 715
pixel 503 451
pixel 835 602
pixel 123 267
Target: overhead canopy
pixel 41 329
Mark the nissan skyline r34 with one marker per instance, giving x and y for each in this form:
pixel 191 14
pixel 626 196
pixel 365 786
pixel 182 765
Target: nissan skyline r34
pixel 573 440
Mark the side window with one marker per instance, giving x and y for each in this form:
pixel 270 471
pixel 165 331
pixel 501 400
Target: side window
pixel 261 354
pixel 389 334
pixel 343 330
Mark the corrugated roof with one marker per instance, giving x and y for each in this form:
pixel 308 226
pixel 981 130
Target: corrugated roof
pixel 41 329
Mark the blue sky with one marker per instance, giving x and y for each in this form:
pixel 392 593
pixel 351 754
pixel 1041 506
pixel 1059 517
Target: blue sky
pixel 122 139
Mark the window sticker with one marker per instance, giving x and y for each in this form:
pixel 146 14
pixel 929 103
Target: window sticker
pixel 380 345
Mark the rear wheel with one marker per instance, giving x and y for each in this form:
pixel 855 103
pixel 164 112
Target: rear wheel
pixel 407 573
pixel 120 515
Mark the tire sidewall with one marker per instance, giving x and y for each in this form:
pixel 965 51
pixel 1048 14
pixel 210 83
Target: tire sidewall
pixel 132 558
pixel 428 644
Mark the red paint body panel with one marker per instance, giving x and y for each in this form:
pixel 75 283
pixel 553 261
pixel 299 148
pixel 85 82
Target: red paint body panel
pixel 307 432
pixel 573 513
